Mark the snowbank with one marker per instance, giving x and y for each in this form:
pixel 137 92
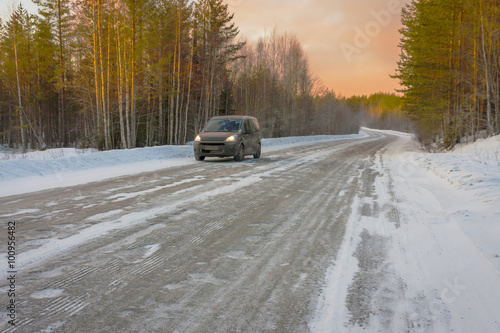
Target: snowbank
pixel 473 171
pixel 474 167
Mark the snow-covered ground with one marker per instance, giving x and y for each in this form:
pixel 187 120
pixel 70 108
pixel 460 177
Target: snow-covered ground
pixel 443 243
pixel 466 182
pixel 452 203
pixel 444 254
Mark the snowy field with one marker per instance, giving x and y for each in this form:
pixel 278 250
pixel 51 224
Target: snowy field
pixel 445 246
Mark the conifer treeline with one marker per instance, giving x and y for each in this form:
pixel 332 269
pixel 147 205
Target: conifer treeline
pixel 113 73
pixel 381 111
pixel 450 68
pixel 126 73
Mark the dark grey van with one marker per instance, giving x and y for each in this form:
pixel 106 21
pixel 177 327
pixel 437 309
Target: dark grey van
pixel 229 136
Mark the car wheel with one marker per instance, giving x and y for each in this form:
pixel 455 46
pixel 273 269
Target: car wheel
pixel 240 155
pixel 199 158
pixel 257 153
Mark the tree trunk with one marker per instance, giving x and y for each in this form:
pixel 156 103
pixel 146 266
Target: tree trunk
pixel 161 121
pixel 127 102
pixel 176 141
pixel 189 88
pixel 123 142
pixel 96 70
pixel 102 92
pixel 487 79
pixel 20 104
pixel 62 78
pixel 133 135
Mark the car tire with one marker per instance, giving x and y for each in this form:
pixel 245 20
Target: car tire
pixel 240 155
pixel 199 158
pixel 257 153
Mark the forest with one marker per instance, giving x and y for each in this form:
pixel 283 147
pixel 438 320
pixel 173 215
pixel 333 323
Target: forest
pixel 112 74
pixel 450 69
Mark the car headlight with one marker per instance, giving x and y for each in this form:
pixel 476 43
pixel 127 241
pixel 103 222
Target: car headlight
pixel 231 138
pixel 197 139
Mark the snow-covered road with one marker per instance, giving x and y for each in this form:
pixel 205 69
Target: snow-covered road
pixel 346 234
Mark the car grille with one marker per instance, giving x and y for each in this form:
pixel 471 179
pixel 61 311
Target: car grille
pixel 207 147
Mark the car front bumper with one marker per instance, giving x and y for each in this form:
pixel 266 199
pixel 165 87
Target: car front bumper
pixel 215 149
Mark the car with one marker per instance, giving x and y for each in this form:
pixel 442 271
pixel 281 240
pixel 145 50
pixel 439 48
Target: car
pixel 229 136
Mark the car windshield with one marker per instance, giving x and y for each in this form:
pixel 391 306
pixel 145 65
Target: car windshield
pixel 223 125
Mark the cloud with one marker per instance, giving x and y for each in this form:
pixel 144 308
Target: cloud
pixel 351 45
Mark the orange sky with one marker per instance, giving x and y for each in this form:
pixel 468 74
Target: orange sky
pixel 352 45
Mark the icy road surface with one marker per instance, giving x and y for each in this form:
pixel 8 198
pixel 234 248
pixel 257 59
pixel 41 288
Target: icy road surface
pixel 329 237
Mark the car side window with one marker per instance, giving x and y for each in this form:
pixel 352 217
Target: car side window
pixel 247 126
pixel 255 126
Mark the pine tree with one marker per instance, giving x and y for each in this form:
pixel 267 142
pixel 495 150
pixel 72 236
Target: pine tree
pixel 16 48
pixel 424 68
pixel 56 15
pixel 449 67
pixel 216 49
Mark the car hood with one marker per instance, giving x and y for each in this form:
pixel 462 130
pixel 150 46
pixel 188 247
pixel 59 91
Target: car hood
pixel 216 136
